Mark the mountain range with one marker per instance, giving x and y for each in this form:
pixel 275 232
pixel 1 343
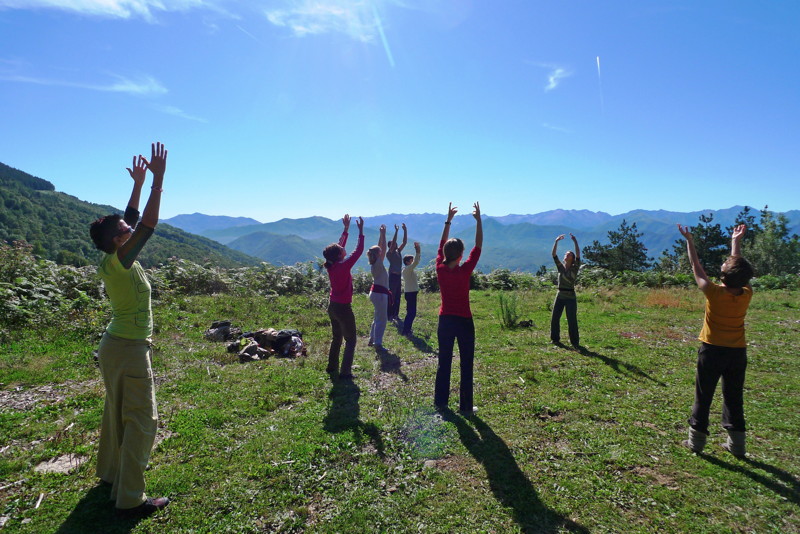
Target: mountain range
pixel 516 242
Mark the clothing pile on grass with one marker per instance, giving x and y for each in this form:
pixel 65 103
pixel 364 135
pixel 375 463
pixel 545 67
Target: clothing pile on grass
pixel 257 345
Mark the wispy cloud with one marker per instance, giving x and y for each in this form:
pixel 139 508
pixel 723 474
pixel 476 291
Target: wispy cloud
pixel 556 128
pixel 555 74
pixel 108 8
pixel 354 18
pixel 177 112
pixel 555 77
pixel 142 86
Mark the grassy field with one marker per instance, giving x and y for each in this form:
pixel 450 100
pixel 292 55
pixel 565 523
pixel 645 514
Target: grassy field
pixel 563 440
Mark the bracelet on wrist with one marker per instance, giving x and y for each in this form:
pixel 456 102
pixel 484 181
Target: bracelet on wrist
pixel 447 222
pixel 159 189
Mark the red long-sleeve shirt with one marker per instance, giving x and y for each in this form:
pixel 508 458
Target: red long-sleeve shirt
pixel 454 283
pixel 339 272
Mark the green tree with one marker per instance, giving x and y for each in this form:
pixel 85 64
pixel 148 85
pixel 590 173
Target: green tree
pixel 712 247
pixel 772 250
pixel 624 251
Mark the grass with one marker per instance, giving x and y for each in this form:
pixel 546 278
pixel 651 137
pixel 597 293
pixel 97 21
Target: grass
pixel 563 441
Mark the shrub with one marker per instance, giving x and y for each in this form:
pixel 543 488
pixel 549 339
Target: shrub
pixel 508 308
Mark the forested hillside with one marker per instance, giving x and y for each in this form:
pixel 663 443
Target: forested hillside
pixel 57 225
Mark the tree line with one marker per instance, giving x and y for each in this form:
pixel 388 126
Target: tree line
pixel 768 245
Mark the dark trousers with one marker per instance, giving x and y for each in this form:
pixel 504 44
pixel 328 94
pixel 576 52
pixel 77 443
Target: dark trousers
pixel 571 305
pixel 343 326
pixel 411 311
pixel 452 328
pixel 395 282
pixel 715 362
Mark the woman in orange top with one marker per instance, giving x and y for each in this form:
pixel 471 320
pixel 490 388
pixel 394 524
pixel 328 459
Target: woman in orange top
pixel 723 352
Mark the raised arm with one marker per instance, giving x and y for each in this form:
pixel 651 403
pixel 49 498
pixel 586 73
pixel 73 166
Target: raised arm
pixel 345 231
pixel 476 212
pixel 394 238
pixel 555 245
pixel 138 171
pixel 736 240
pixel 577 248
pixel 382 242
pixel 157 165
pixel 417 254
pixel 697 268
pixel 451 212
pixel 405 238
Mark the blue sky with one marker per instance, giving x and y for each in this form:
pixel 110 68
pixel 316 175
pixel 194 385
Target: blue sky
pixel 277 109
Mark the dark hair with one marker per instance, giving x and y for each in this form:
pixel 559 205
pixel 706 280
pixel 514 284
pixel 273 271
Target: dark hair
pixel 332 253
pixel 408 258
pixel 103 231
pixel 452 249
pixel 738 273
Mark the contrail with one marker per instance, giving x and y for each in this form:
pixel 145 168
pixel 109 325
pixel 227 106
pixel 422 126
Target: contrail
pixel 383 36
pixel 600 84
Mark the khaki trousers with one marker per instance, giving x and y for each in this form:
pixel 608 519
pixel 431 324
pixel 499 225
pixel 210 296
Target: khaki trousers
pixel 130 417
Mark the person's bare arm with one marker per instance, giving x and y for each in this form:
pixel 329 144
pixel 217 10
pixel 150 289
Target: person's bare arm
pixel 736 240
pixel 476 212
pixel 451 212
pixel 382 242
pixel 697 268
pixel 577 248
pixel 405 238
pixel 157 165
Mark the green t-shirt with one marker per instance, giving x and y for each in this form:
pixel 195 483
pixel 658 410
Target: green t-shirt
pixel 129 292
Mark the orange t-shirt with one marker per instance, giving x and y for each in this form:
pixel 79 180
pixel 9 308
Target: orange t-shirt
pixel 723 324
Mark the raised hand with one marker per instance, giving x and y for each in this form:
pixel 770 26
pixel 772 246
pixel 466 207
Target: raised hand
pixel 573 236
pixel 684 230
pixel 158 160
pixel 346 221
pixel 451 211
pixel 559 238
pixel 138 170
pixel 476 211
pixel 360 224
pixel 739 231
pixel 383 229
pixel 416 246
pixel 403 226
pixel 396 228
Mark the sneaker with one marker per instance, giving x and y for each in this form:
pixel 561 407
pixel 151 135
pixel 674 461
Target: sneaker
pixel 145 509
pixel 466 412
pixel 370 343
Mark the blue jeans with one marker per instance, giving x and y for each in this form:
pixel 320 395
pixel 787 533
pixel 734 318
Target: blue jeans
pixel 571 306
pixel 411 311
pixel 715 362
pixel 452 328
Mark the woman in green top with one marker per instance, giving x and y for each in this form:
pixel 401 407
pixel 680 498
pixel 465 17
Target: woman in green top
pixel 566 298
pixel 130 417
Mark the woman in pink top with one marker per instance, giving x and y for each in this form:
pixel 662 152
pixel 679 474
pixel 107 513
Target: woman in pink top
pixel 340 310
pixel 455 316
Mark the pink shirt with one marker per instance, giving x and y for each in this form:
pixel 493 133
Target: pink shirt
pixel 339 272
pixel 454 283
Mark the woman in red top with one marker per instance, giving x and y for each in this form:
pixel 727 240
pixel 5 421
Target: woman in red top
pixel 340 310
pixel 455 316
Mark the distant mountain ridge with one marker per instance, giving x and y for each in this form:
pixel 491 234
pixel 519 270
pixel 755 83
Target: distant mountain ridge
pixel 516 242
pixel 197 223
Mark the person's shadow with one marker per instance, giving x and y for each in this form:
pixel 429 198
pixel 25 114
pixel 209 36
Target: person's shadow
pixel 95 513
pixel 619 366
pixel 788 487
pixel 390 363
pixel 508 483
pixel 343 414
pixel 421 344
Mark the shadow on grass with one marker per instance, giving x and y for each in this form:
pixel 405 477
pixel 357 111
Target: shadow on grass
pixel 618 365
pixel 343 415
pixel 509 484
pixel 419 343
pixel 789 489
pixel 95 513
pixel 390 363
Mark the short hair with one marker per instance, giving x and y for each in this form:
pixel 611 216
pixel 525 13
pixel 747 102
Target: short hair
pixel 738 273
pixel 408 258
pixel 453 248
pixel 373 253
pixel 332 253
pixel 103 231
